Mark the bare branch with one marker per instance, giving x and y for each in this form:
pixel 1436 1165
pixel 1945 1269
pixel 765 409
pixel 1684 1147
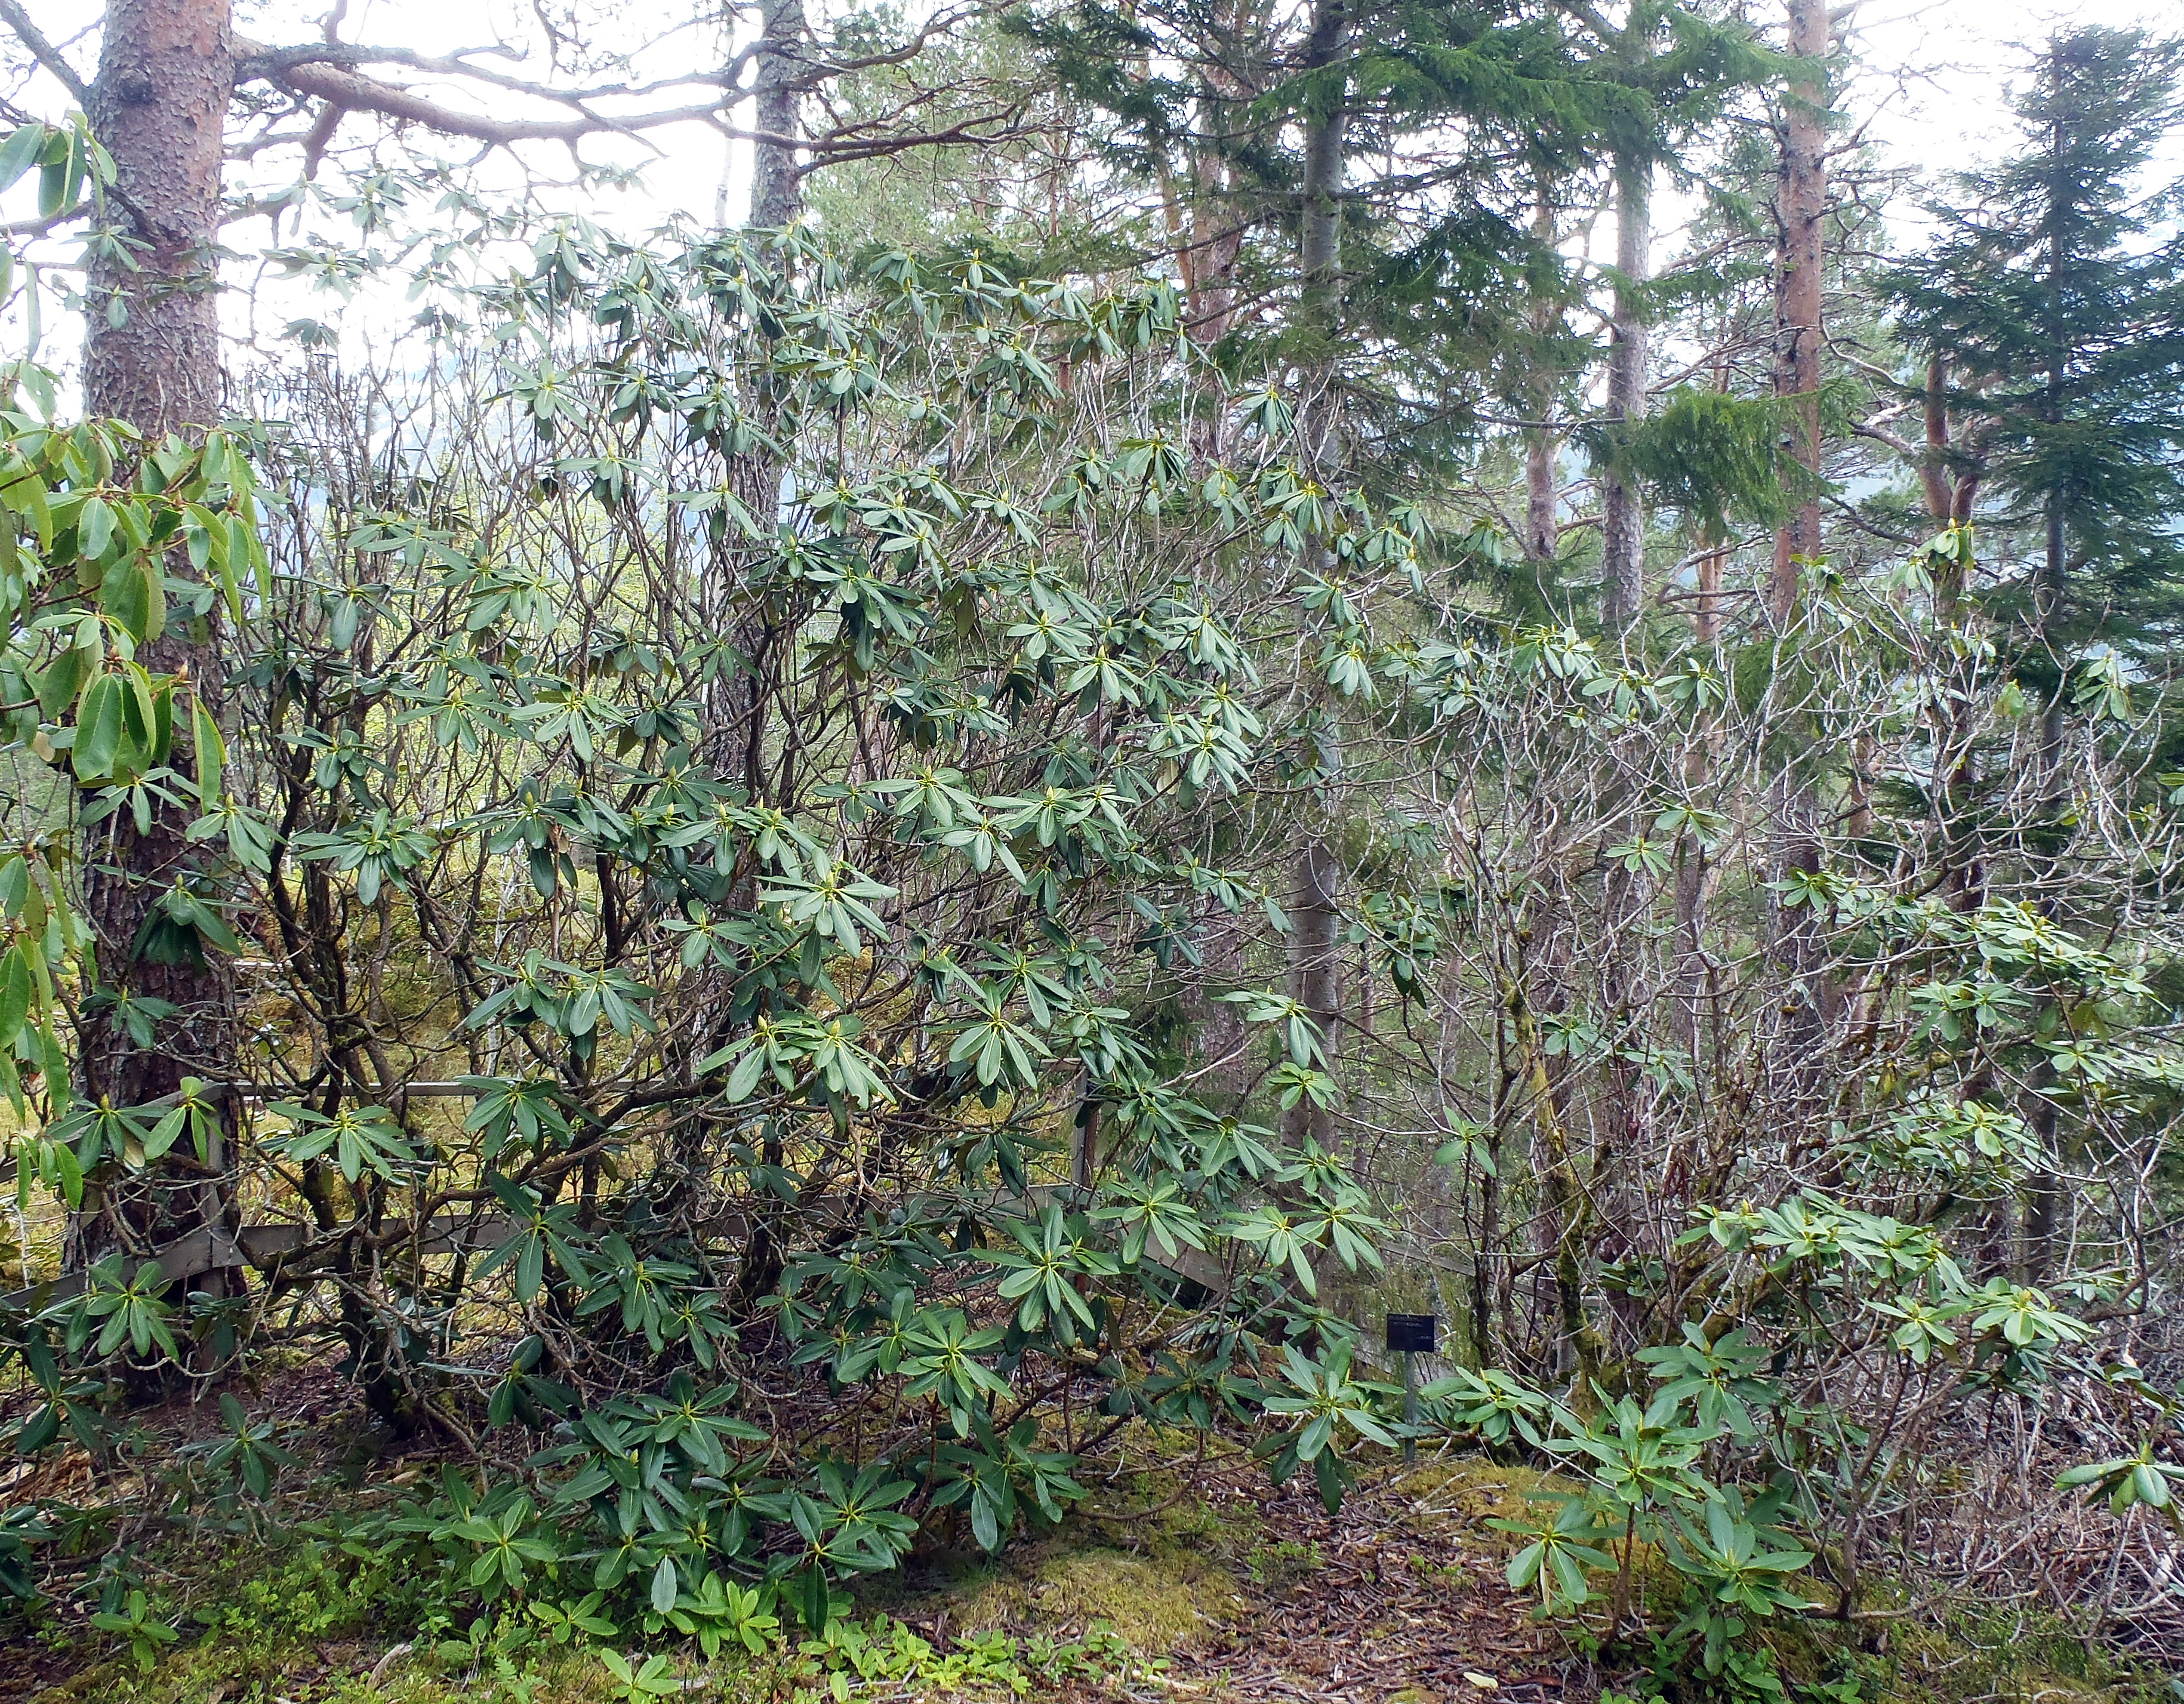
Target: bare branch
pixel 17 20
pixel 274 64
pixel 938 25
pixel 49 223
pixel 346 91
pixel 843 146
pixel 1874 432
pixel 325 72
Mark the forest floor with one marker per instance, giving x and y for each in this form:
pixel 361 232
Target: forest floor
pixel 1171 1584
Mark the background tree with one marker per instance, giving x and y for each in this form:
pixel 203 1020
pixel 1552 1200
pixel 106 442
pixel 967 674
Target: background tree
pixel 160 111
pixel 2052 301
pixel 2050 316
pixel 874 867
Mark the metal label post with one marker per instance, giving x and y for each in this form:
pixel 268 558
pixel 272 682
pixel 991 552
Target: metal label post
pixel 1410 1336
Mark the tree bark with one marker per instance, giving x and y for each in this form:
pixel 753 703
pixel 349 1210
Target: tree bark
pixel 1314 973
pixel 1798 306
pixel 1542 447
pixel 166 76
pixel 1542 524
pixel 777 180
pixel 2043 1186
pixel 1798 298
pixel 1623 569
pixel 1319 247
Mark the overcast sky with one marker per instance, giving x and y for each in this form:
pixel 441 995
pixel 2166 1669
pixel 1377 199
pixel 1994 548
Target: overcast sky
pixel 1929 92
pixel 1956 57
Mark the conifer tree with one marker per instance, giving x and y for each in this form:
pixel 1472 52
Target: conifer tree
pixel 2052 308
pixel 2051 318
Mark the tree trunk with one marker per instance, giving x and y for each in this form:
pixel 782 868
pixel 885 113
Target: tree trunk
pixel 166 72
pixel 1315 964
pixel 1319 249
pixel 1542 485
pixel 166 75
pixel 1622 567
pixel 1568 1225
pixel 776 180
pixel 1315 974
pixel 1798 300
pixel 1795 931
pixel 738 708
pixel 1693 866
pixel 2043 1187
pixel 1542 524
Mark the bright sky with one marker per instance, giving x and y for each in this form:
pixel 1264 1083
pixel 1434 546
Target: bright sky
pixel 1943 108
pixel 1929 91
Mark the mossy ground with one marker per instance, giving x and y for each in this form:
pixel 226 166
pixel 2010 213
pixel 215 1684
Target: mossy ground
pixel 1212 1588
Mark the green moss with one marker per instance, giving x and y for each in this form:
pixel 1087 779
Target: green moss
pixel 195 1673
pixel 1147 1556
pixel 1972 1652
pixel 1159 1601
pixel 1963 1652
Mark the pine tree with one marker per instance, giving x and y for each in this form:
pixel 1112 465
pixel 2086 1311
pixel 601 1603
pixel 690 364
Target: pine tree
pixel 2052 309
pixel 2051 317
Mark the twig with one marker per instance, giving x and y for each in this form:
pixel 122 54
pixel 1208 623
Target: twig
pixel 393 1652
pixel 16 18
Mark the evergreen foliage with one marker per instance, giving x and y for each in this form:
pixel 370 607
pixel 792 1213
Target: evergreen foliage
pixel 783 890
pixel 2054 294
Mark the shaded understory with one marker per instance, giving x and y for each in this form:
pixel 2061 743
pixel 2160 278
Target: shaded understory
pixel 1179 1581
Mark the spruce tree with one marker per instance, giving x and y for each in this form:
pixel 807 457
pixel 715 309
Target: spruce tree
pixel 2050 319
pixel 2053 306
